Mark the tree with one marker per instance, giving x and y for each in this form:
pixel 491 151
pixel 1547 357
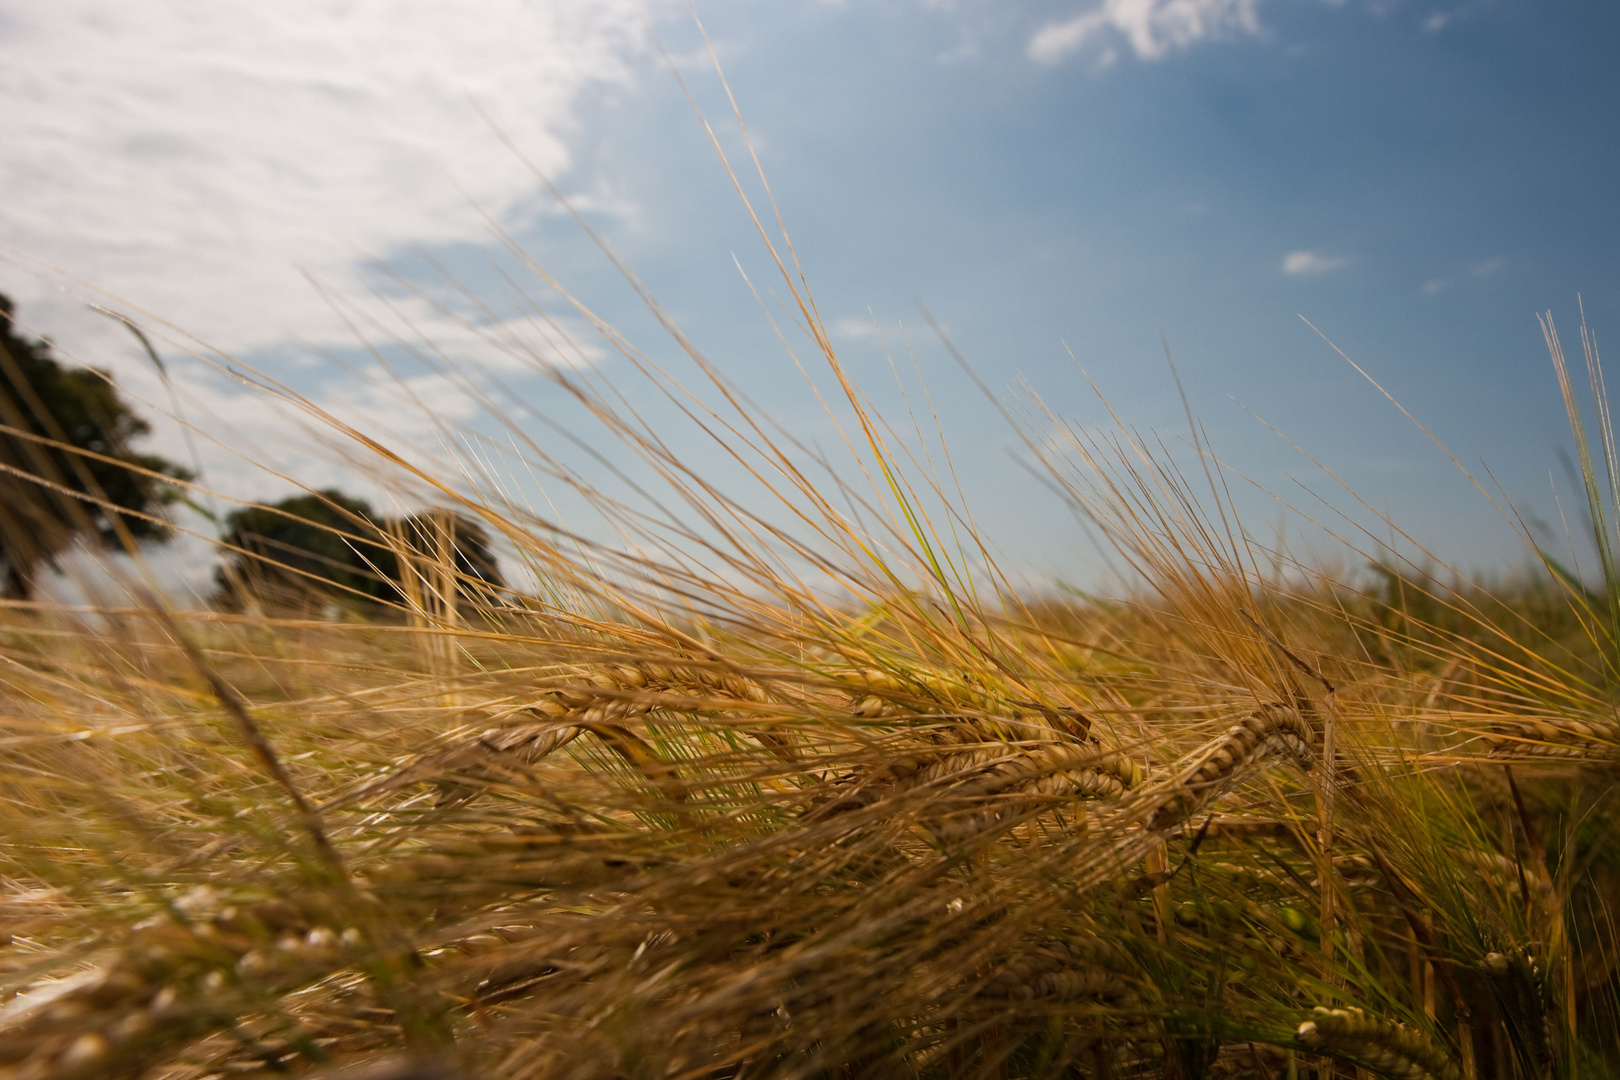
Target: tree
pixel 448 545
pixel 330 547
pixel 51 496
pixel 325 544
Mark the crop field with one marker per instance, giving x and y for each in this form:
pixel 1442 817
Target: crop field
pixel 796 794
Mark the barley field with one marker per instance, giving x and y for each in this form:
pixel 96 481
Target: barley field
pixel 791 792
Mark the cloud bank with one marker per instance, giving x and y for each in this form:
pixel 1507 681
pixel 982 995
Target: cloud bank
pixel 197 159
pixel 191 156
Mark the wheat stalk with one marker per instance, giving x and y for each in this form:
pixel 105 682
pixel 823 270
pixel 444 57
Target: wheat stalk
pixel 1385 1045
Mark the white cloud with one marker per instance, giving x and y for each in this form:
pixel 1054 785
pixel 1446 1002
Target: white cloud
pixel 1311 263
pixel 853 327
pixel 892 332
pixel 1445 19
pixel 1154 28
pixel 1479 270
pixel 196 158
pixel 192 156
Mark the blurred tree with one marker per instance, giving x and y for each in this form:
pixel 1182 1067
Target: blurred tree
pixel 331 547
pixel 324 544
pixel 449 546
pixel 51 496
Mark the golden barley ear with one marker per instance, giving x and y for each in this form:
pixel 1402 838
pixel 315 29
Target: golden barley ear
pixel 1392 1048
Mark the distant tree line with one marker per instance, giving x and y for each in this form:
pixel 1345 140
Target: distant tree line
pixel 69 473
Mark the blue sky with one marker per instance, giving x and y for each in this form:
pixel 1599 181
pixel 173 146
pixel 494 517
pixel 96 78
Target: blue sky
pixel 1418 179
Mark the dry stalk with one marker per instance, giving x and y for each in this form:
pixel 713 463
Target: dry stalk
pixel 170 981
pixel 965 783
pixel 1521 992
pixel 208 963
pixel 980 713
pixel 1265 733
pixel 599 702
pixel 1390 1047
pixel 236 707
pixel 1539 737
pixel 1075 970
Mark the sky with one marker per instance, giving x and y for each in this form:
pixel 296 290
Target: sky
pixel 1069 187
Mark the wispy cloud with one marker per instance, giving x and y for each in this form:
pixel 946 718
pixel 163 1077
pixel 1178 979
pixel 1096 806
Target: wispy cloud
pixel 1480 269
pixel 1153 28
pixel 1311 263
pixel 853 327
pixel 1445 18
pixel 893 332
pixel 967 50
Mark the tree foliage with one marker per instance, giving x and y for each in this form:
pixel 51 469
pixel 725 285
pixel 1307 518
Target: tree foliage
pixel 329 546
pixel 67 470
